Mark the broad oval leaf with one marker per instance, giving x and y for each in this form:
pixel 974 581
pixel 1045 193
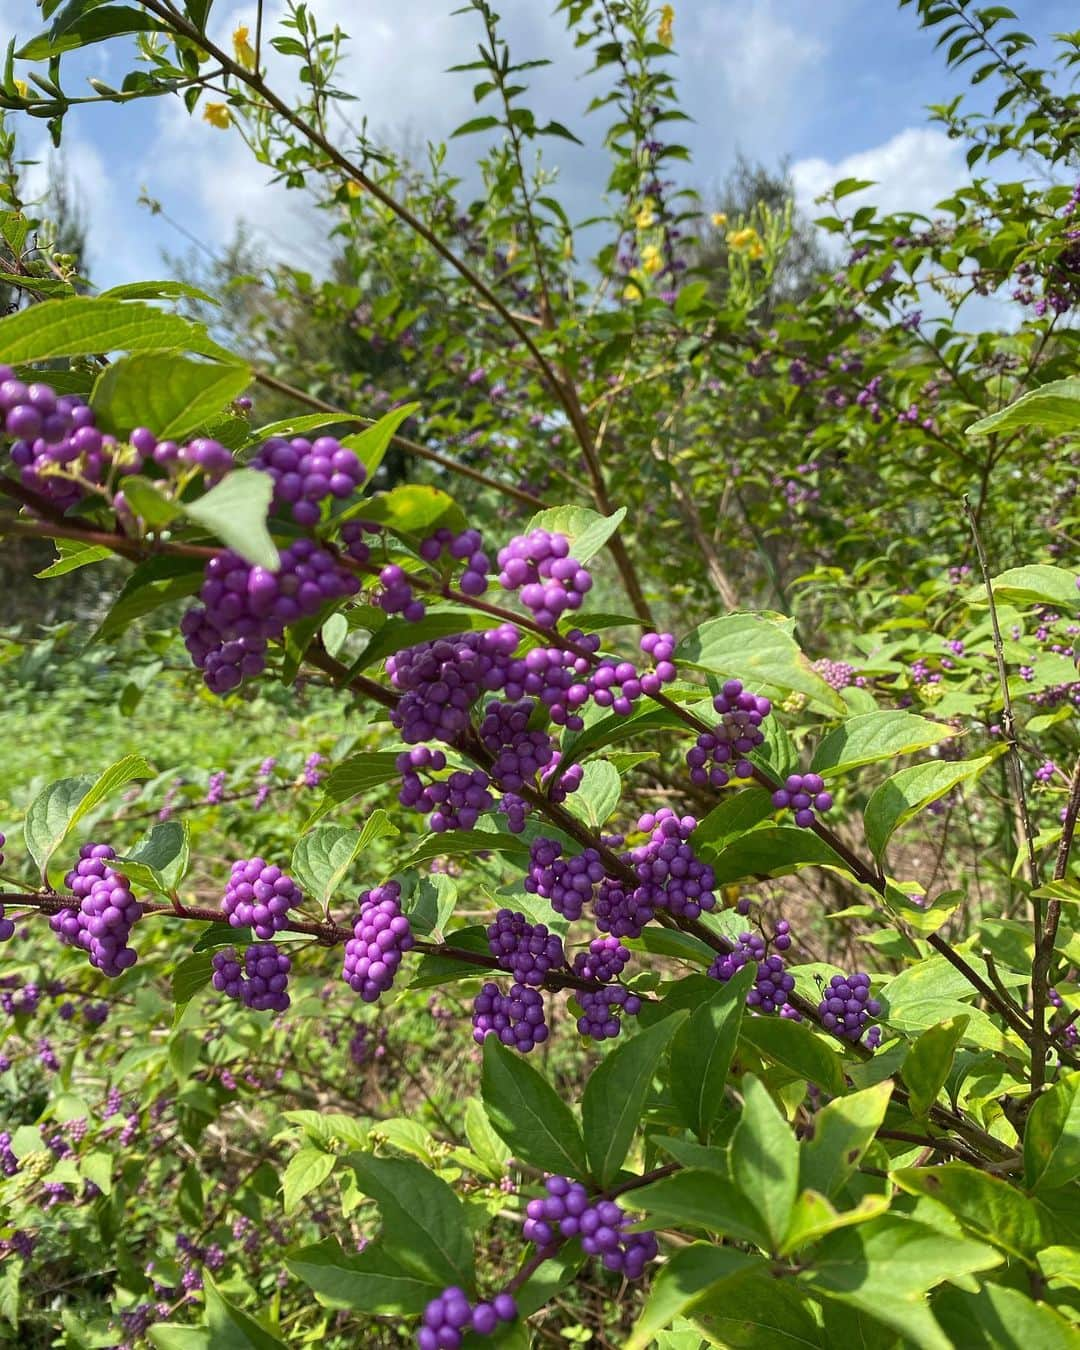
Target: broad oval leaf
pixel 234 511
pixel 910 791
pixel 166 391
pixel 529 1114
pixel 872 737
pixel 1054 406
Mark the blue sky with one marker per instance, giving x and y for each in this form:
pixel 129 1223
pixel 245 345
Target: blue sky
pixel 838 86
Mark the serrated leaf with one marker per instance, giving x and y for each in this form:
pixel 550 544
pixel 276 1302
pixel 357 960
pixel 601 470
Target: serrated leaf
pixel 193 973
pixel 759 652
pixel 371 1281
pixel 1000 1318
pixel 615 1096
pixel 1038 584
pixel 1054 406
pixel 872 737
pixel 371 445
pixel 84 324
pixel 598 795
pixel 322 858
pixel 770 852
pixel 307 1169
pixel 413 508
pixel 358 773
pixel 165 391
pixel 235 511
pixel 523 1107
pixel 905 794
pixel 587 531
pixel 59 807
pixel 737 813
pixel 161 856
pixel 462 843
pixel 71 555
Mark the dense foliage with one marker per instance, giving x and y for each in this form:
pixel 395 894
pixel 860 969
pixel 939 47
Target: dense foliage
pixel 644 656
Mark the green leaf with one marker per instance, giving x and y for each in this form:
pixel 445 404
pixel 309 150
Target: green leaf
pixel 985 1205
pixel 151 585
pixel 702 1051
pixel 765 1160
pixel 1039 584
pixel 393 636
pixel 702 1199
pixel 1054 407
pixel 322 858
pixel 234 511
pixel 71 555
pixel 525 1109
pixel 754 1311
pixel 770 852
pixel 908 792
pixel 737 813
pixel 999 1318
pixel 371 445
pixel 371 1281
pixel 598 795
pixel 423 1224
pixel 166 1337
pixel 798 1048
pixel 149 503
pixel 463 843
pixel 58 808
pixel 165 391
pixel 692 1273
pixel 843 1131
pixel 929 1061
pixel 615 1096
pixel 307 1170
pixel 1052 1137
pixel 413 508
pixel 230 1327
pixel 587 531
pixel 484 1140
pixel 97 25
pixel 358 773
pixel 872 737
pixel 85 325
pixel 758 651
pixel 193 973
pixel 813 1216
pixel 159 860
pixel 157 290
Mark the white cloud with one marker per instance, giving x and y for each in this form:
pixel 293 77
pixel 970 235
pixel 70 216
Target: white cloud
pixel 912 171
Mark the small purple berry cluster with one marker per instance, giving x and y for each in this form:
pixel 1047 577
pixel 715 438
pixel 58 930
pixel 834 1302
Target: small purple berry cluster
pixel 604 961
pixel 449 1316
pixel 306 472
pixel 456 802
pixel 467 547
pixel 397 595
pixel 244 606
pixel 723 752
pixel 846 1006
pixel 550 581
pixel 804 793
pixel 381 936
pixel 57 448
pixel 771 984
pixel 440 681
pixel 260 894
pixel 106 914
pixel 566 1211
pixel 837 674
pixel 525 950
pixel 7 926
pixel 682 883
pixel 566 882
pixel 602 1010
pixel 261 983
pixel 516 1018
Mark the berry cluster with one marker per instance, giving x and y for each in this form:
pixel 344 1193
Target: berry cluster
pixel 527 951
pixel 771 985
pixel 602 1011
pixel 731 740
pixel 516 1018
pixel 106 914
pixel 604 961
pixel 397 595
pixel 804 793
pixel 262 982
pixel 467 547
pixel 566 882
pixel 57 448
pixel 681 884
pixel 456 802
pixel 447 1317
pixel 838 674
pixel 381 936
pixel 661 647
pixel 260 894
pixel 550 581
pixel 440 681
pixel 567 1212
pixel 306 472
pixel 244 606
pixel 846 1006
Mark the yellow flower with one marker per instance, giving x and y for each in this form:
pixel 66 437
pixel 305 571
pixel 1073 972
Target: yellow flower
pixel 719 219
pixel 742 241
pixel 646 215
pixel 245 53
pixel 664 32
pixel 756 251
pixel 217 115
pixel 633 289
pixel 651 259
pixel 22 88
pixel 353 188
